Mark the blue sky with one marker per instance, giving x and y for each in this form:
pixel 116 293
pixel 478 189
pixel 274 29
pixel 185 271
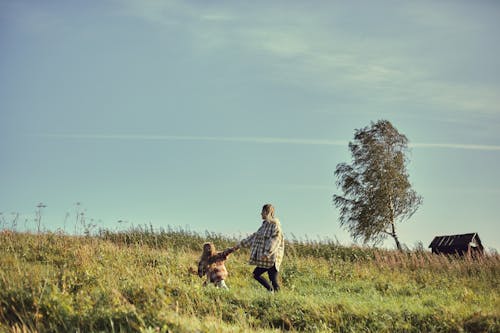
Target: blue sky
pixel 195 114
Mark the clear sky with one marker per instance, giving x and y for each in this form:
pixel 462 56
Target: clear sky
pixel 194 114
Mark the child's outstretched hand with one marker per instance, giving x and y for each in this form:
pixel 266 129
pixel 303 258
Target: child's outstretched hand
pixel 230 250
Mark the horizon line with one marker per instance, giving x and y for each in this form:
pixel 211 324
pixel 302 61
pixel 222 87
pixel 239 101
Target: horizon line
pixel 259 140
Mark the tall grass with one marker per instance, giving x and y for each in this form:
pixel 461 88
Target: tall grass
pixel 142 280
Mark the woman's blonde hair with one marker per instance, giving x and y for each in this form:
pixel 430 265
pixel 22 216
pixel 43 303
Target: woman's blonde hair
pixel 268 211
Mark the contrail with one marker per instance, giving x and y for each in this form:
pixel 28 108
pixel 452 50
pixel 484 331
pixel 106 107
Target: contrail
pixel 198 138
pixel 455 146
pixel 259 140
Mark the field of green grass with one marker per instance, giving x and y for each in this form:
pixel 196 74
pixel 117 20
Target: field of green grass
pixel 142 281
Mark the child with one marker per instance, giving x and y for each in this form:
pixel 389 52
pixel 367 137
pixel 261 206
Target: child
pixel 212 265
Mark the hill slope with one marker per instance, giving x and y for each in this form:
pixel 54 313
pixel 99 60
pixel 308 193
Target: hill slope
pixel 142 281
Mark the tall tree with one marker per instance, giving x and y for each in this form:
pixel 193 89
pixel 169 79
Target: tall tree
pixel 376 189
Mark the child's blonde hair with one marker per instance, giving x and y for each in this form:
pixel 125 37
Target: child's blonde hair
pixel 208 250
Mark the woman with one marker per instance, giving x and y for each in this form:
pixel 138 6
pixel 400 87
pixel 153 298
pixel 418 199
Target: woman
pixel 267 247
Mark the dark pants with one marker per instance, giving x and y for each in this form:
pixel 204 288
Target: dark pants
pixel 273 276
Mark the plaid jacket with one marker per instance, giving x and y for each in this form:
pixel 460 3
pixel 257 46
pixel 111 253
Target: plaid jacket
pixel 267 245
pixel 214 267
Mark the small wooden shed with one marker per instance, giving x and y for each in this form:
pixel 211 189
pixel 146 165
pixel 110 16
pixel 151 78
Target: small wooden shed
pixel 465 244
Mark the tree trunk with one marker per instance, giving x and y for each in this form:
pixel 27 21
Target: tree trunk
pixel 393 234
pixel 393 227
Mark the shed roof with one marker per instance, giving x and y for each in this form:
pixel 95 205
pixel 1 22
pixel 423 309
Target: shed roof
pixel 454 241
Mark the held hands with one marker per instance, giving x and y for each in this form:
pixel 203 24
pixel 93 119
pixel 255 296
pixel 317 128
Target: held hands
pixel 232 249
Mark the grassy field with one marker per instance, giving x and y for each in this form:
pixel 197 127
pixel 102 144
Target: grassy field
pixel 143 281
